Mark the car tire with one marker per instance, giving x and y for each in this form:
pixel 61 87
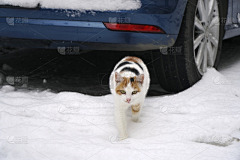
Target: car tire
pixel 2 78
pixel 179 67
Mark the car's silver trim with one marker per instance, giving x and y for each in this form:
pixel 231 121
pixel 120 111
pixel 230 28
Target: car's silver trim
pixel 64 23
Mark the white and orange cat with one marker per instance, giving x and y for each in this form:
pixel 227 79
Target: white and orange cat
pixel 129 83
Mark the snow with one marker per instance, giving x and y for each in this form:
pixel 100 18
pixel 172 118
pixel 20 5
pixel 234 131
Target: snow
pixel 82 5
pixel 201 123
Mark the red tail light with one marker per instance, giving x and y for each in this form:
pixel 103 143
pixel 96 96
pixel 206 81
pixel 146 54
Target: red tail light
pixel 134 28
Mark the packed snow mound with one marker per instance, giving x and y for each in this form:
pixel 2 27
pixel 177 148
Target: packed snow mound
pixel 202 122
pixel 82 5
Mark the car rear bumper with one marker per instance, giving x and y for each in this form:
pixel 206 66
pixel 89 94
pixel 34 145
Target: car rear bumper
pixel 86 35
pixel 52 29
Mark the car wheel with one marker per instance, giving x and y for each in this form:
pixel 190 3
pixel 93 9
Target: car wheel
pixel 197 47
pixel 2 78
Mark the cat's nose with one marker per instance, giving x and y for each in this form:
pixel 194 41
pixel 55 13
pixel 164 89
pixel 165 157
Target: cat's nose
pixel 128 100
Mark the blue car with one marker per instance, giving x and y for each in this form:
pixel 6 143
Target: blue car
pixel 184 36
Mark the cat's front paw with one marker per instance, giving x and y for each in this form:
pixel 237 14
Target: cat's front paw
pixel 116 139
pixel 122 138
pixel 135 119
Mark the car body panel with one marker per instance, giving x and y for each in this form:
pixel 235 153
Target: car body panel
pixel 232 27
pixel 235 10
pixel 51 28
pixel 230 14
pixel 83 28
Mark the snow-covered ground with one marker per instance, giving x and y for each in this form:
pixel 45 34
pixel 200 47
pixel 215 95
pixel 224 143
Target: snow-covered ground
pixel 82 5
pixel 201 123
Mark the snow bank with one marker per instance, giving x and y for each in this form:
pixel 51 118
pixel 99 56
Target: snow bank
pixel 82 5
pixel 202 122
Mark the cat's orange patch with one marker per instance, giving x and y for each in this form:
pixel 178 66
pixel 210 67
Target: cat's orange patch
pixel 124 84
pixel 135 108
pixel 135 85
pixel 133 59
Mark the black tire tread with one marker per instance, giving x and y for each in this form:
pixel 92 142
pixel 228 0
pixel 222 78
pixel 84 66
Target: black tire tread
pixel 178 72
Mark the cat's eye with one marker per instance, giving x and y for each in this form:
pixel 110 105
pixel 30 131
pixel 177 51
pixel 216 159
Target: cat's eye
pixel 122 91
pixel 134 92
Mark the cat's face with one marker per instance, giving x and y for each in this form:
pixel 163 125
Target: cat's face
pixel 128 89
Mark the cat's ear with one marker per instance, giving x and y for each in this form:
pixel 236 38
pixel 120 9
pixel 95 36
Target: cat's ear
pixel 118 77
pixel 140 78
